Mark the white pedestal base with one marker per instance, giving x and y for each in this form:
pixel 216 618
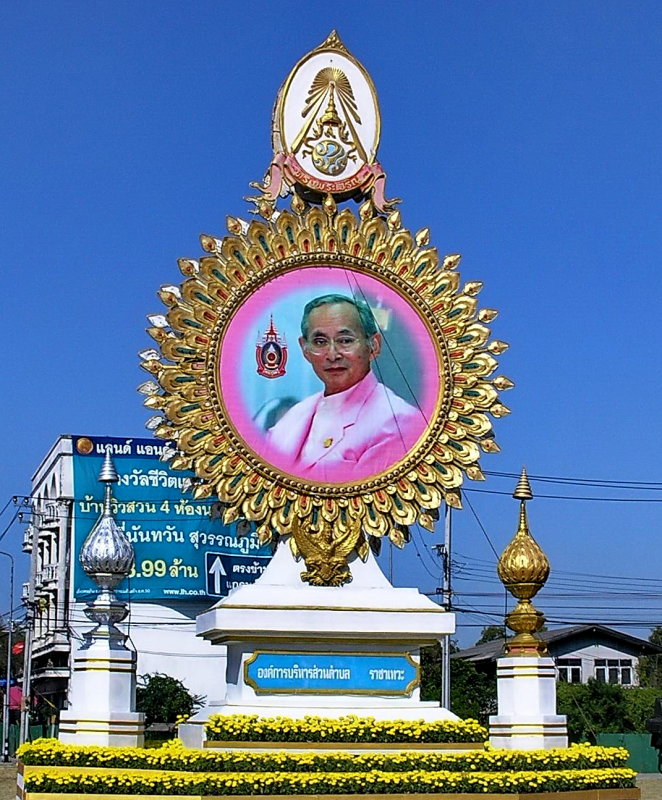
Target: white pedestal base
pixel 527 718
pixel 102 696
pixel 279 614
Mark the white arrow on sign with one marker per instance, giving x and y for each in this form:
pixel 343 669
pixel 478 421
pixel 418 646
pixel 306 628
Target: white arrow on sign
pixel 217 570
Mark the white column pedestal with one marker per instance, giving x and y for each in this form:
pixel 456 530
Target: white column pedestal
pixel 102 692
pixel 279 617
pixel 527 718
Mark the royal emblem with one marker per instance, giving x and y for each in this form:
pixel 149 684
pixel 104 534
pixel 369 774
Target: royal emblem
pixel 328 139
pixel 271 353
pixel 325 132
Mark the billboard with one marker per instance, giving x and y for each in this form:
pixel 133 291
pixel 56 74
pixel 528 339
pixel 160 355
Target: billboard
pixel 183 551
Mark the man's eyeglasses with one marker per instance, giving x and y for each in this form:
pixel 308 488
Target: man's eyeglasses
pixel 320 345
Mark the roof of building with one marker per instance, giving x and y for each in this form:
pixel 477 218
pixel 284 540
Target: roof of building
pixel 555 638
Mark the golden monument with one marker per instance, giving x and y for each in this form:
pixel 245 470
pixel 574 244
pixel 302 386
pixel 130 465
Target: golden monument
pixel 325 132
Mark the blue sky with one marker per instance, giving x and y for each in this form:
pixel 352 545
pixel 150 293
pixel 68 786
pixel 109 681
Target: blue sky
pixel 525 135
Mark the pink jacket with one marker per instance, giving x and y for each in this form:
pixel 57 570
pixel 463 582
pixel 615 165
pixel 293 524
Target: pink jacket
pixel 366 429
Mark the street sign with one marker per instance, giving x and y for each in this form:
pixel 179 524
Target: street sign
pixel 226 572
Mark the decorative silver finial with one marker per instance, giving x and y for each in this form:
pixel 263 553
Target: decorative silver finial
pixel 106 554
pixel 107 557
pixel 108 472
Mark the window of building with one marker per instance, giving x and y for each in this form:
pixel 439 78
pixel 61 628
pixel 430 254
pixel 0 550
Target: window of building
pixel 569 670
pixel 614 670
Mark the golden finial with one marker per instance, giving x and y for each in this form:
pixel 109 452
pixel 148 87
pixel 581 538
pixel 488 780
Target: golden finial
pixel 523 569
pixel 366 210
pixel 333 42
pixel 523 488
pixel 394 221
pixel 501 382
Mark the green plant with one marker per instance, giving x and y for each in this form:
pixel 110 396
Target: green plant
pixel 593 708
pixel 650 667
pixel 473 693
pixel 163 698
pixel 492 633
pixel 640 706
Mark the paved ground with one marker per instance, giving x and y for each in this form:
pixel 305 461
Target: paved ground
pixel 7 781
pixel 650 785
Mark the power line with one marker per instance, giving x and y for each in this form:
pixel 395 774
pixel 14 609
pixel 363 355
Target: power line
pixel 609 482
pixel 575 497
pixel 482 527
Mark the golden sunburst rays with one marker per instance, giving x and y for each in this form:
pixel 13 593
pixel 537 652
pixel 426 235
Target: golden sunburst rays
pixel 320 87
pixel 191 411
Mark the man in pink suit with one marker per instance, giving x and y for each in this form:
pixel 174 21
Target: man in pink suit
pixel 356 426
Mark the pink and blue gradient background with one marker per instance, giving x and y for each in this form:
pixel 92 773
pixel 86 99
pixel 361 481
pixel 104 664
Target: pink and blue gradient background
pixel 244 391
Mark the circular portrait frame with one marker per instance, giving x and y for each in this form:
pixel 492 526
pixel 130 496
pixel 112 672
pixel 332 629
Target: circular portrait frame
pixel 396 439
pixel 196 401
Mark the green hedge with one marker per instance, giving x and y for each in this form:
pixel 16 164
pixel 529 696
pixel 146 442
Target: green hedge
pixel 328 783
pixel 175 757
pixel 596 707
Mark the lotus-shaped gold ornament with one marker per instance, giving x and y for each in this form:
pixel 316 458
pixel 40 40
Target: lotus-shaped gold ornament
pixel 523 569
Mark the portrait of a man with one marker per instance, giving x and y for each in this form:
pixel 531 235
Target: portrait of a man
pixel 355 426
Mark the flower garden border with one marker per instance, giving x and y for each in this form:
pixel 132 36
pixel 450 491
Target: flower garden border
pixel 55 771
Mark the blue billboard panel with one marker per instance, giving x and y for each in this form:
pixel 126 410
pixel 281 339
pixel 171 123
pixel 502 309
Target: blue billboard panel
pixel 172 534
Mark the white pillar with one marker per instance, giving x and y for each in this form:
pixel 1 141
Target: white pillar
pixel 102 692
pixel 527 718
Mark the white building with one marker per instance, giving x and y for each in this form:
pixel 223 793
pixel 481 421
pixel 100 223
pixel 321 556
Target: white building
pixel 161 629
pixel 580 652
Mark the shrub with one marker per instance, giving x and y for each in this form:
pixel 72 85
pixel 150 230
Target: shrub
pixel 473 693
pixel 163 698
pixel 640 706
pixel 593 708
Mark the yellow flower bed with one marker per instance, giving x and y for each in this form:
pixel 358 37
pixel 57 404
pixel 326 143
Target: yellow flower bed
pixel 251 727
pixel 173 756
pixel 376 781
pixel 175 770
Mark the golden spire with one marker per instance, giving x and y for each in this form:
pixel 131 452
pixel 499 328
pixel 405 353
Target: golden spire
pixel 523 569
pixel 330 116
pixel 523 488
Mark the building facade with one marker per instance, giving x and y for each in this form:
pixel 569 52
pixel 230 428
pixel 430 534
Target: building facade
pixel 580 652
pixel 186 560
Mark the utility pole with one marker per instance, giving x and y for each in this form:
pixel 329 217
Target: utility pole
pixel 444 551
pixel 10 627
pixel 29 630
